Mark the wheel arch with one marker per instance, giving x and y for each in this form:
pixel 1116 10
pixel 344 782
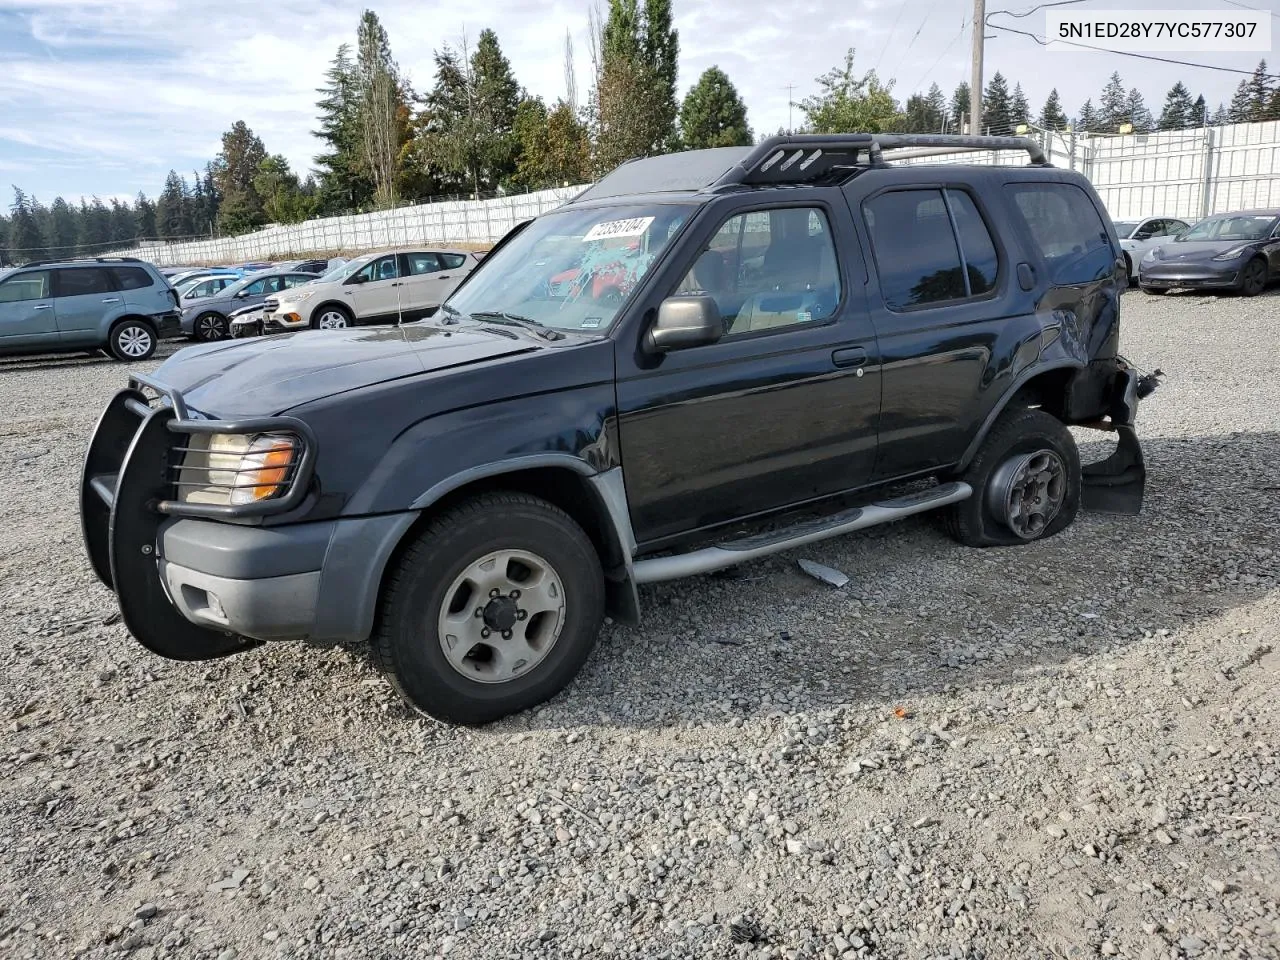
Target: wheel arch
pixel 337 304
pixel 1045 385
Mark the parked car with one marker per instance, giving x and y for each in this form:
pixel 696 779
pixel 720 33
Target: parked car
pixel 207 318
pixel 1139 236
pixel 201 288
pixel 1228 251
pixel 318 267
pixel 796 339
pixel 121 305
pixel 185 281
pixel 385 287
pixel 245 321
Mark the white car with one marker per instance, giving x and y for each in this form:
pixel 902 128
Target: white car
pixel 388 287
pixel 1139 236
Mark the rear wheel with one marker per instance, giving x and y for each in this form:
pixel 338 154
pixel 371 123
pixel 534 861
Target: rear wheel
pixel 1129 277
pixel 331 318
pixel 493 609
pixel 1026 483
pixel 132 340
pixel 210 327
pixel 1253 278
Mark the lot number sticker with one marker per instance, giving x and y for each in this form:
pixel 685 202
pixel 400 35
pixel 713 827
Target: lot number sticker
pixel 634 227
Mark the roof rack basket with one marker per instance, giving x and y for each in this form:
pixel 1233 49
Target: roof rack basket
pixel 807 158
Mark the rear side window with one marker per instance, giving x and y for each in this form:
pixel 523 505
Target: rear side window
pixel 921 257
pixel 1067 230
pixel 82 282
pixel 421 263
pixel 451 261
pixel 131 278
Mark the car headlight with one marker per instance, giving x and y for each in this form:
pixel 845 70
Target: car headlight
pixel 1235 252
pixel 236 469
pixel 1150 255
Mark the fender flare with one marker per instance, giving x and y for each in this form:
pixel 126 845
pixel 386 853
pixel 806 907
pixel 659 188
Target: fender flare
pixel 1019 382
pixel 497 468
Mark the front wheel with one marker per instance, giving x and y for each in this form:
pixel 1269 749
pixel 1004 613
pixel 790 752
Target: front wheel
pixel 132 340
pixel 1253 278
pixel 210 327
pixel 1026 483
pixel 331 318
pixel 493 609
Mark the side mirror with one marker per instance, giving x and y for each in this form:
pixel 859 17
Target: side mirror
pixel 241 294
pixel 358 278
pixel 685 322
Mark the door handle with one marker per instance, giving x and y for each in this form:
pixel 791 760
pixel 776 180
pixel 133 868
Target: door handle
pixel 110 299
pixel 849 357
pixel 43 306
pixel 1027 276
pixel 443 276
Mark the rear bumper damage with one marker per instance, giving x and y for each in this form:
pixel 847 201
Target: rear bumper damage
pixel 1118 483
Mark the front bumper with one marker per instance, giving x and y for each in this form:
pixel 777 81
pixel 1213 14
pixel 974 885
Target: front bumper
pixel 191 588
pixel 1171 275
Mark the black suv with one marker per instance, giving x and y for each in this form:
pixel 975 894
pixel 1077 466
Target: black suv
pixel 704 358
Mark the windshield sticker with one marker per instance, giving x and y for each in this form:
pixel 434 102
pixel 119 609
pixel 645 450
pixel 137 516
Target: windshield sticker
pixel 591 323
pixel 635 227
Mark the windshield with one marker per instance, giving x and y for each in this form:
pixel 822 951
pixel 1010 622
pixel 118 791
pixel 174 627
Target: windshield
pixel 344 270
pixel 574 269
pixel 1230 228
pixel 1126 227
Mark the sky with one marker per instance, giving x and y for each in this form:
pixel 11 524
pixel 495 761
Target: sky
pixel 104 97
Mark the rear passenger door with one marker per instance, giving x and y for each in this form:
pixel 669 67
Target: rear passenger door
pixel 143 292
pixel 945 316
pixel 82 297
pixel 423 289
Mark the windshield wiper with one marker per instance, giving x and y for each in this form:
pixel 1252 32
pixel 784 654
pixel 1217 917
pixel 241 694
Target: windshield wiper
pixel 515 320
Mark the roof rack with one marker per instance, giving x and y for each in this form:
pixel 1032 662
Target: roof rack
pixel 43 263
pixel 809 158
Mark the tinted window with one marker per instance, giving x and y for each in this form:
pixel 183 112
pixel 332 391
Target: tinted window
pixel 915 248
pixel 131 278
pixel 384 268
pixel 976 245
pixel 82 281
pixel 1066 227
pixel 769 269
pixel 420 263
pixel 295 281
pixel 25 286
pixel 451 261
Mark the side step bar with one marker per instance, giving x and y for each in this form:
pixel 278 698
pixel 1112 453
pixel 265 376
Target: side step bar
pixel 809 531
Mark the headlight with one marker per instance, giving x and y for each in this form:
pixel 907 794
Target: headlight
pixel 235 469
pixel 1235 252
pixel 1150 255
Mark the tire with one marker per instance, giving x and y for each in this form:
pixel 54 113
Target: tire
pixel 1129 278
pixel 1253 278
pixel 131 340
pixel 332 317
pixel 1024 444
pixel 485 544
pixel 211 327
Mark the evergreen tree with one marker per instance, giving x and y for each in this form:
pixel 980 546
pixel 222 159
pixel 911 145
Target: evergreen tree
pixel 1178 108
pixel 24 231
pixel 212 199
pixel 1220 117
pixel 343 184
pixel 144 218
pixel 661 50
pixel 1199 112
pixel 495 97
pixel 283 199
pixel 1019 109
pixel 1241 108
pixel 936 103
pixel 173 220
pixel 1051 115
pixel 95 228
pixel 381 109
pixel 713 114
pixel 1137 112
pixel 63 232
pixel 1114 108
pixel 1088 121
pixel 121 222
pixel 959 108
pixel 5 259
pixel 997 107
pixel 1259 87
pixel 234 171
pixel 850 103
pixel 554 149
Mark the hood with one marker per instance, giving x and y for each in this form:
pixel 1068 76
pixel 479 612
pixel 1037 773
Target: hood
pixel 266 376
pixel 1195 251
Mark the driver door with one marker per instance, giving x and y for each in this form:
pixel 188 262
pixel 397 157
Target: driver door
pixel 26 312
pixel 375 291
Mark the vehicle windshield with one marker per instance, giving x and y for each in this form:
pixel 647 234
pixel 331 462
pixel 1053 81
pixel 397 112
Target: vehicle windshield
pixel 344 270
pixel 573 269
pixel 1126 227
pixel 1230 228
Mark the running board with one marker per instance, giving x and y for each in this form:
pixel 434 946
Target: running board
pixel 809 531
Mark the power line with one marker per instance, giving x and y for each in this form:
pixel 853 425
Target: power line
pixel 1126 53
pixel 914 37
pixel 1027 13
pixel 964 22
pixel 1245 6
pixel 894 29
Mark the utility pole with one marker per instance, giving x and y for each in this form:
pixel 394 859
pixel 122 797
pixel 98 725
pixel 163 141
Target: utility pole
pixel 975 78
pixel 790 106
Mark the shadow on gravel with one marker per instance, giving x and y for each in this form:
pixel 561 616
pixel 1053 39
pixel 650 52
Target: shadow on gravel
pixel 73 361
pixel 924 614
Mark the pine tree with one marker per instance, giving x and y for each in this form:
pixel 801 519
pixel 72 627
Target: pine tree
pixel 234 172
pixel 1220 117
pixel 121 222
pixel 1114 108
pixel 173 219
pixel 1051 115
pixel 997 107
pixel 936 102
pixel 660 50
pixel 1088 121
pixel 1137 113
pixel 495 98
pixel 381 111
pixel 713 114
pixel 1019 109
pixel 959 108
pixel 1178 108
pixel 1199 112
pixel 1241 104
pixel 24 232
pixel 343 184
pixel 144 218
pixel 63 232
pixel 95 227
pixel 1259 87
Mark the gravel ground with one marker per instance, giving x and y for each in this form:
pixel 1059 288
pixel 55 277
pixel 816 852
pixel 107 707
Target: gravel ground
pixel 1065 750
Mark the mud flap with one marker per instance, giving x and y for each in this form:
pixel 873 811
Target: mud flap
pixel 1118 483
pixel 145 607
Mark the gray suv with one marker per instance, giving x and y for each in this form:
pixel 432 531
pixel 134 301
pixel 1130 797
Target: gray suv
pixel 123 306
pixel 206 318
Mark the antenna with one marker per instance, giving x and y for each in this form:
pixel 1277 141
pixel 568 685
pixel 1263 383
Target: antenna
pixel 790 106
